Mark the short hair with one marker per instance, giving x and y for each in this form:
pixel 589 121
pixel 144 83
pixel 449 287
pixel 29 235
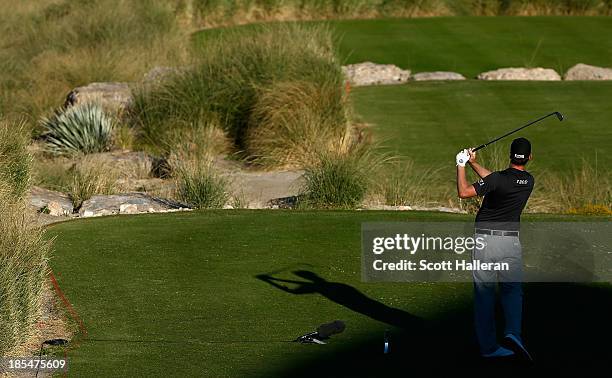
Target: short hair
pixel 517 161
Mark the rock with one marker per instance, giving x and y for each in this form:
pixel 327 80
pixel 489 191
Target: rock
pixel 437 75
pixel 114 97
pixel 127 203
pixel 545 74
pixel 258 188
pixel 130 208
pixel 55 209
pixel 50 202
pixel 369 73
pixel 585 72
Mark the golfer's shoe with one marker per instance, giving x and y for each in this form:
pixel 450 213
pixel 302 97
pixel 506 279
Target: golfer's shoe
pixel 515 344
pixel 499 352
pixel 310 338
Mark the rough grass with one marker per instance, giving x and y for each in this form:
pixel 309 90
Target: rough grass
pixel 53 46
pixel 231 82
pixel 206 13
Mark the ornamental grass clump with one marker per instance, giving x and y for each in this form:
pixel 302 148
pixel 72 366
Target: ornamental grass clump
pixel 23 248
pixel 340 180
pixel 249 81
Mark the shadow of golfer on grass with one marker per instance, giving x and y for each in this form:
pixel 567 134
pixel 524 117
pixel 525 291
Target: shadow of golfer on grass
pixel 344 295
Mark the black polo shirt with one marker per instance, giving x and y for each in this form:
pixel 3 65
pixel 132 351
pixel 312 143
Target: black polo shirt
pixel 505 196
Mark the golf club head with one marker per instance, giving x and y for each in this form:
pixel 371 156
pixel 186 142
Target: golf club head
pixel 559 115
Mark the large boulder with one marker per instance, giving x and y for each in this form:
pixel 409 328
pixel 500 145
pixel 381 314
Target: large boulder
pixel 50 202
pixel 544 74
pixel 127 203
pixel 437 75
pixel 585 72
pixel 369 73
pixel 114 97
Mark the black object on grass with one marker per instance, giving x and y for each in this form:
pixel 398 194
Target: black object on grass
pixel 559 116
pixel 323 332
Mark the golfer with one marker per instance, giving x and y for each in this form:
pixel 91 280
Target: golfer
pixel 497 223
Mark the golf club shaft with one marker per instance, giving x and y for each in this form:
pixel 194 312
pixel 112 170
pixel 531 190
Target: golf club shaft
pixel 520 128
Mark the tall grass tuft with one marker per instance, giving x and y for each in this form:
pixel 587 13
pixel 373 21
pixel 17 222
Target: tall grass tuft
pixel 90 178
pixel 402 184
pixel 23 248
pixel 200 186
pixel 236 81
pixel 582 190
pixel 340 180
pixel 15 163
pixel 83 128
pixel 292 122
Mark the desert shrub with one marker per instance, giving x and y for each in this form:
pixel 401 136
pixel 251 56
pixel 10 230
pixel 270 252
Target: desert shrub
pixel 582 189
pixel 15 161
pixel 231 71
pixel 23 247
pixel 90 178
pixel 198 142
pixel 84 128
pixel 293 121
pixel 339 180
pixel 199 185
pixel 402 184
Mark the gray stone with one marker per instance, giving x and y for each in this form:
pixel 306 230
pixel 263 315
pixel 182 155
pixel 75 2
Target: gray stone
pixel 437 75
pixel 127 203
pixel 369 73
pixel 544 74
pixel 50 202
pixel 585 72
pixel 112 96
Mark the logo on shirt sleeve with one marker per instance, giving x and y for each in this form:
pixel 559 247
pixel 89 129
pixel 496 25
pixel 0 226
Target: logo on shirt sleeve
pixel 522 182
pixel 481 182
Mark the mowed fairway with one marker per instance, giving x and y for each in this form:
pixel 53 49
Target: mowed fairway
pixel 178 295
pixel 429 122
pixel 470 45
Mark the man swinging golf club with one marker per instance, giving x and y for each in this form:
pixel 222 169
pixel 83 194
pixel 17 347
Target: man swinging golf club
pixel 497 223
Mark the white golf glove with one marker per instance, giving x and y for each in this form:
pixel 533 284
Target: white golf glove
pixel 462 157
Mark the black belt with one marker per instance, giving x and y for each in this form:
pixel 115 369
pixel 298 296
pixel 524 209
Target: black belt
pixel 484 231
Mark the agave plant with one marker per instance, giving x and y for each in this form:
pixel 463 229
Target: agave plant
pixel 83 128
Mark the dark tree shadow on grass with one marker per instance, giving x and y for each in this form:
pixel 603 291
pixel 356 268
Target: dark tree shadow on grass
pixel 567 329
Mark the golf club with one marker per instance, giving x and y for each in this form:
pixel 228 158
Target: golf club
pixel 559 116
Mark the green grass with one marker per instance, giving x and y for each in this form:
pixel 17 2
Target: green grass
pixel 187 302
pixel 470 45
pixel 430 122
